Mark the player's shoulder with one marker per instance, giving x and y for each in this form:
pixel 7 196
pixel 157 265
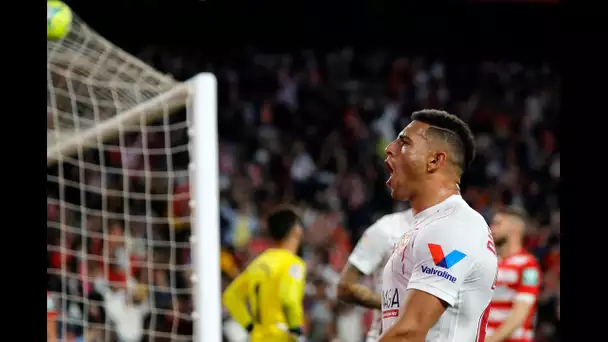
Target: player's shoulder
pixel 456 226
pixel 286 258
pixel 278 261
pixel 525 265
pixel 400 221
pixel 459 220
pixel 265 255
pixel 271 258
pixel 279 255
pixel 522 260
pixel 404 216
pixel 465 215
pixel 297 260
pixel 295 267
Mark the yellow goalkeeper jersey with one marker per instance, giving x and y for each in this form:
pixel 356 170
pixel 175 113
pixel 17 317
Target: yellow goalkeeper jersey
pixel 268 296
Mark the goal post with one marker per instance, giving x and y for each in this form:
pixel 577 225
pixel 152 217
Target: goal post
pixel 132 192
pixel 206 210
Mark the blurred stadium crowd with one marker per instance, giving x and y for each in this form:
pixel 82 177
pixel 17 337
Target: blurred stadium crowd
pixel 310 128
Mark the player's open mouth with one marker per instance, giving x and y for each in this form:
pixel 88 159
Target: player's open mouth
pixel 388 166
pixel 390 170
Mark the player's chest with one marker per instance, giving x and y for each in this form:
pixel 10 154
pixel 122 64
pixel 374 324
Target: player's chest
pixel 394 240
pixel 401 259
pixel 508 275
pixel 404 241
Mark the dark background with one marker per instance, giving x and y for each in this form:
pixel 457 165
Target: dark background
pixel 466 29
pixel 220 31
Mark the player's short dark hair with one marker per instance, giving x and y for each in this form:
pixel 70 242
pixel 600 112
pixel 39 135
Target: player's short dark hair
pixel 515 211
pixel 452 130
pixel 281 222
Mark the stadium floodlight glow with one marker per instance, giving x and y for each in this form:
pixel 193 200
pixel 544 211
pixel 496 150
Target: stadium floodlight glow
pixel 119 147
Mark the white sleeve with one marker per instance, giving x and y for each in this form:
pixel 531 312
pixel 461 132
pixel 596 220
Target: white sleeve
pixel 372 247
pixel 441 263
pixel 144 308
pixel 112 305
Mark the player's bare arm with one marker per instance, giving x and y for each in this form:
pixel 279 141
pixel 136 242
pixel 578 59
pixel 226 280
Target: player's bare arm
pixel 350 291
pixel 421 311
pixel 51 322
pixel 51 329
pixel 517 317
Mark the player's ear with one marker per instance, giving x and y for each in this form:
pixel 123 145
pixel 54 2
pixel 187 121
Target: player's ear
pixel 435 161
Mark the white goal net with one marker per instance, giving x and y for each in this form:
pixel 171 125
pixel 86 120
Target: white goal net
pixel 120 159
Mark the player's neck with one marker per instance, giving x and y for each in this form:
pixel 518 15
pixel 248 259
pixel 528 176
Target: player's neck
pixel 432 194
pixel 510 248
pixel 290 245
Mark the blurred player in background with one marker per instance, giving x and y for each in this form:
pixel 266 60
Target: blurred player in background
pixel 267 297
pixel 438 283
pixel 368 258
pixel 51 319
pixel 514 302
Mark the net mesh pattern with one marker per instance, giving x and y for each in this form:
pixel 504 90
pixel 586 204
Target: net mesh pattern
pixel 118 222
pixel 90 80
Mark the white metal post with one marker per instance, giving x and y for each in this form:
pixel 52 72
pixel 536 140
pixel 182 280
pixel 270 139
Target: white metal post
pixel 205 207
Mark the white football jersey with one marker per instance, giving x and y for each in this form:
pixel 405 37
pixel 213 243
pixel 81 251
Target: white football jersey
pixel 373 250
pixel 449 254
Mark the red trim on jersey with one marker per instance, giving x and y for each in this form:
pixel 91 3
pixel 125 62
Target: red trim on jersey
pixel 483 325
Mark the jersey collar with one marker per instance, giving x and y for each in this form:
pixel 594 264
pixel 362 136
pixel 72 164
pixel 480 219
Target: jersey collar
pixel 428 212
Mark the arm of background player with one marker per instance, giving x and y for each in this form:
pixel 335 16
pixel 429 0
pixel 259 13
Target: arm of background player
pixel 234 299
pixel 51 316
pixel 365 258
pixel 523 302
pixel 292 296
pixel 144 307
pixel 428 295
pixel 351 292
pixel 51 329
pixel 516 318
pixel 111 303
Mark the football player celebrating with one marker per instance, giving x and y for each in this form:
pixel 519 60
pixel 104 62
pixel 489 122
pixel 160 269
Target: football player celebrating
pixel 438 283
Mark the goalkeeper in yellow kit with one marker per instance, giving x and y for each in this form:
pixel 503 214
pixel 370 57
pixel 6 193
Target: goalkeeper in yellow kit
pixel 267 297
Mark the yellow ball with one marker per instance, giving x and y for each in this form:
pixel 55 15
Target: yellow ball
pixel 58 19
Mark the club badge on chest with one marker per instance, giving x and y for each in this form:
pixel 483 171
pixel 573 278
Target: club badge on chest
pixel 402 243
